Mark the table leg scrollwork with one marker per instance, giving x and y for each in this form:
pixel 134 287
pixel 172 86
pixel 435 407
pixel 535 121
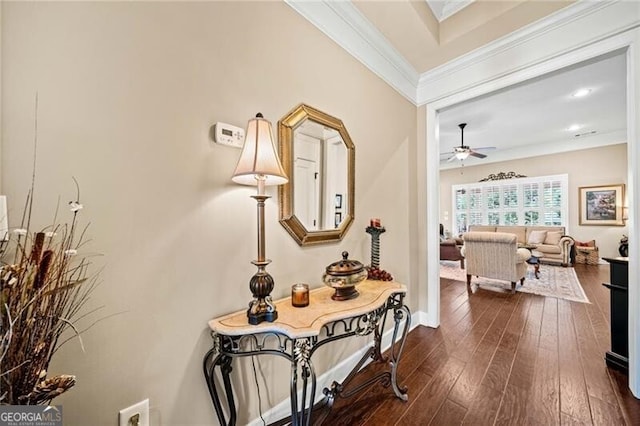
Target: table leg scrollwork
pixel 302 351
pixel 216 358
pixel 371 323
pixel 402 323
pixel 400 313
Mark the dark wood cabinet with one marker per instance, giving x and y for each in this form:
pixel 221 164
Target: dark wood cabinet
pixel 618 356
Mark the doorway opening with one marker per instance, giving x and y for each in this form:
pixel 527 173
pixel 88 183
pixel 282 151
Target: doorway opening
pixel 429 302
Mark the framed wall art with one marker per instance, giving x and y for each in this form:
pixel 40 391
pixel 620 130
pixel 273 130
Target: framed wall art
pixel 601 205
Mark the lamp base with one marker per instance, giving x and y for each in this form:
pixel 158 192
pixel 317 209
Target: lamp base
pixel 261 308
pixel 257 313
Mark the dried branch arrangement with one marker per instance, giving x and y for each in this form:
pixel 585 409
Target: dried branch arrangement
pixel 44 285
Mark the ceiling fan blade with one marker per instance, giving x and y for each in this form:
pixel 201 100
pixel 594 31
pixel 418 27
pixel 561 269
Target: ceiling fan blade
pixel 453 157
pixel 485 148
pixel 477 154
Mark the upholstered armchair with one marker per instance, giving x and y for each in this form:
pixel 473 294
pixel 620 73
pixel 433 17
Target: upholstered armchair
pixel 495 255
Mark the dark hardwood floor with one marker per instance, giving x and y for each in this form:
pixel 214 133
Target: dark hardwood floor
pixel 505 359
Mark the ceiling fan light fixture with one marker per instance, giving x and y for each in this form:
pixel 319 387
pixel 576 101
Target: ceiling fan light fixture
pixel 462 155
pixel 574 127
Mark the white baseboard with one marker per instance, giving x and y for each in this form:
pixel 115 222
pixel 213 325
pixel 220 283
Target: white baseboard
pixel 337 374
pixel 416 320
pixel 422 318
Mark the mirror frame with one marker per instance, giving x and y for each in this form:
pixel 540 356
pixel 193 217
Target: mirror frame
pixel 286 128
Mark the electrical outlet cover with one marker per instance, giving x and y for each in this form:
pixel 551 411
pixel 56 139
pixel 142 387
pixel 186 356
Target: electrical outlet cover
pixel 141 408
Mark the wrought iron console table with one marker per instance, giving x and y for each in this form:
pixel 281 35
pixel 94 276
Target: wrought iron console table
pixel 296 335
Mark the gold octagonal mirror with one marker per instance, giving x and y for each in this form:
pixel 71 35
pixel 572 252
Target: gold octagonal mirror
pixel 317 204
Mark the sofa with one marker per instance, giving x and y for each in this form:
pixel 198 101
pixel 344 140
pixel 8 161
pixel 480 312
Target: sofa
pixel 495 255
pixel 550 243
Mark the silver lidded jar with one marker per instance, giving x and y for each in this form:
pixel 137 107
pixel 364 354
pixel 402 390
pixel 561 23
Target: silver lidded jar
pixel 343 276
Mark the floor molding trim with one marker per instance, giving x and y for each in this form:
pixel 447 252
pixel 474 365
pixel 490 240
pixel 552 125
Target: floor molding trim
pixel 423 318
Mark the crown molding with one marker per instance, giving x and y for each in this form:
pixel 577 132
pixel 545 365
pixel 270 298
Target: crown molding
pixel 447 8
pixel 346 25
pixel 430 86
pixel 349 28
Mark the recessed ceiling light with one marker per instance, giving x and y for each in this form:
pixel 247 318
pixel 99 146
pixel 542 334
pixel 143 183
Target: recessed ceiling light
pixel 573 127
pixel 581 93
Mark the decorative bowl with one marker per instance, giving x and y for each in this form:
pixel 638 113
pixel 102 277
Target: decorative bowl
pixel 343 276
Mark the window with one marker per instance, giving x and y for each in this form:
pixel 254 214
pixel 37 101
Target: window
pixel 525 201
pixel 492 195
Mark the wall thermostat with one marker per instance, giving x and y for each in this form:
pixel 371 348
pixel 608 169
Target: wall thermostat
pixel 226 134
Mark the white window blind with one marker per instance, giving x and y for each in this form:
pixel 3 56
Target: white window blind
pixel 541 200
pixel 552 199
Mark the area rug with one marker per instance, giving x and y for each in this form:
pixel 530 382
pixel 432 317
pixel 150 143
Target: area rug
pixel 555 281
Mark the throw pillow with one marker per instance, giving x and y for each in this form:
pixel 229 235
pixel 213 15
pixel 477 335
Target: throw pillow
pixel 537 237
pixel 553 238
pixel 591 243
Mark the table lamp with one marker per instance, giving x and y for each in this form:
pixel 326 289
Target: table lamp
pixel 259 165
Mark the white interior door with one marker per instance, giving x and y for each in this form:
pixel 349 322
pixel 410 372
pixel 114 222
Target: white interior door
pixel 305 193
pixel 307 178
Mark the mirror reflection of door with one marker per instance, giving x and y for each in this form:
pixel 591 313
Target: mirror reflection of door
pixel 335 182
pixel 306 173
pixel 320 173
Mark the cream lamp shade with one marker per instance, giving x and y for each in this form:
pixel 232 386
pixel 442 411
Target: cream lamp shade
pixel 259 162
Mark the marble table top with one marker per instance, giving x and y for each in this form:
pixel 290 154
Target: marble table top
pixel 308 321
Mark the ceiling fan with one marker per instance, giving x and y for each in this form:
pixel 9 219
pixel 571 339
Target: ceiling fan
pixel 462 152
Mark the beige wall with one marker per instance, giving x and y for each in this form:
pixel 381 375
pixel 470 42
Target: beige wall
pixel 597 166
pixel 127 94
